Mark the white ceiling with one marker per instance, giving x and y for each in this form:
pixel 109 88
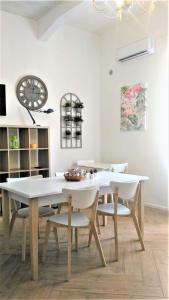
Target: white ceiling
pixel 82 15
pixel 29 9
pixel 85 17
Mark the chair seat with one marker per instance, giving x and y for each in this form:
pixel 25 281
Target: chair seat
pixel 108 209
pixel 43 211
pixel 78 219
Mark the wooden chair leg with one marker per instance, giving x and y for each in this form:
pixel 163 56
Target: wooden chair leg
pixel 97 222
pixel 39 229
pixel 116 237
pixel 56 236
pixel 71 235
pixel 113 223
pixel 12 224
pixel 24 240
pixel 69 250
pixel 47 232
pixel 76 239
pixel 138 231
pixel 104 216
pixel 98 244
pixel 90 237
pixel 59 208
pixel 91 233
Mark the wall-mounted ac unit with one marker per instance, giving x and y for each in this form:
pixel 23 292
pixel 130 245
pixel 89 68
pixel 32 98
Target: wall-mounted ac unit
pixel 139 48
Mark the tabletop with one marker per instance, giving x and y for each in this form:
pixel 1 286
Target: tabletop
pixel 53 185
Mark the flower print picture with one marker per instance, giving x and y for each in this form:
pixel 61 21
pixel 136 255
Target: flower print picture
pixel 133 107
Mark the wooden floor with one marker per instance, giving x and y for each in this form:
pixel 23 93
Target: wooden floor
pixel 137 275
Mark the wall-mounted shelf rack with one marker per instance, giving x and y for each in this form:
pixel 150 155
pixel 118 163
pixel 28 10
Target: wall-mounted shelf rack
pixel 71 121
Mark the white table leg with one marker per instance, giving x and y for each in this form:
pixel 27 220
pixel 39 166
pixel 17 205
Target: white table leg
pixel 141 210
pixel 34 237
pixel 6 217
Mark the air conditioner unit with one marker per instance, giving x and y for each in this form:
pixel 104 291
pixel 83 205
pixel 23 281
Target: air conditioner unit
pixel 139 48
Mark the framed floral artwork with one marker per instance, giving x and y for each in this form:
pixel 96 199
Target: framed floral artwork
pixel 133 107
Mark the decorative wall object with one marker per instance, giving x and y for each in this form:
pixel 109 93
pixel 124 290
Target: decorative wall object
pixel 32 93
pixel 133 107
pixel 71 121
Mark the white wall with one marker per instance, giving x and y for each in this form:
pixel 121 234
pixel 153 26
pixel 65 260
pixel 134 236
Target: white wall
pixel 68 62
pixel 146 152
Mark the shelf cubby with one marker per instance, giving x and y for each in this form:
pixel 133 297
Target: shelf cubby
pixel 33 158
pixel 33 136
pixel 14 174
pixel 33 173
pixel 42 138
pixel 3 177
pixel 24 138
pixel 24 160
pixel 3 161
pixel 3 138
pixel 14 161
pixel 12 132
pixel 25 174
pixel 43 159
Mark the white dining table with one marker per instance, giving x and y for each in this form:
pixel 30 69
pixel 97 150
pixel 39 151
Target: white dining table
pixel 46 191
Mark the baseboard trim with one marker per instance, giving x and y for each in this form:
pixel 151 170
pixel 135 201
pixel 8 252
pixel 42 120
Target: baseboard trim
pixel 156 206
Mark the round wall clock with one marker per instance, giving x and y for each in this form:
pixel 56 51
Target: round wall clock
pixel 32 92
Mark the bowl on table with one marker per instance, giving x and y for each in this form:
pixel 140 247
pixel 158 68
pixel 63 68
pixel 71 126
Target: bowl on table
pixel 75 175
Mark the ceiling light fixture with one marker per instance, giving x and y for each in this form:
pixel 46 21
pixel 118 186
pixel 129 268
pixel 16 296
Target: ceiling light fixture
pixel 117 8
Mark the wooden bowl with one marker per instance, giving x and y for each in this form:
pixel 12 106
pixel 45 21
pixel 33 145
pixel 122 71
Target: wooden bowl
pixel 73 178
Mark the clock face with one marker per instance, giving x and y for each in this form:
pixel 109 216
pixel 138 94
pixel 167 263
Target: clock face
pixel 32 92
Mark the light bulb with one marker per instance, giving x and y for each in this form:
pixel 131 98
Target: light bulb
pixel 119 3
pixel 118 8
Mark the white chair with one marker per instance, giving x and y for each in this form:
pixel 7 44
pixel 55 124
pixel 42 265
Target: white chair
pixel 119 168
pixel 84 163
pixel 79 200
pixel 23 213
pixel 127 191
pixel 59 174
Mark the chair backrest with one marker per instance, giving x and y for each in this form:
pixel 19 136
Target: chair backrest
pixel 119 168
pixel 59 174
pixel 125 190
pixel 10 180
pixel 81 198
pixel 85 162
